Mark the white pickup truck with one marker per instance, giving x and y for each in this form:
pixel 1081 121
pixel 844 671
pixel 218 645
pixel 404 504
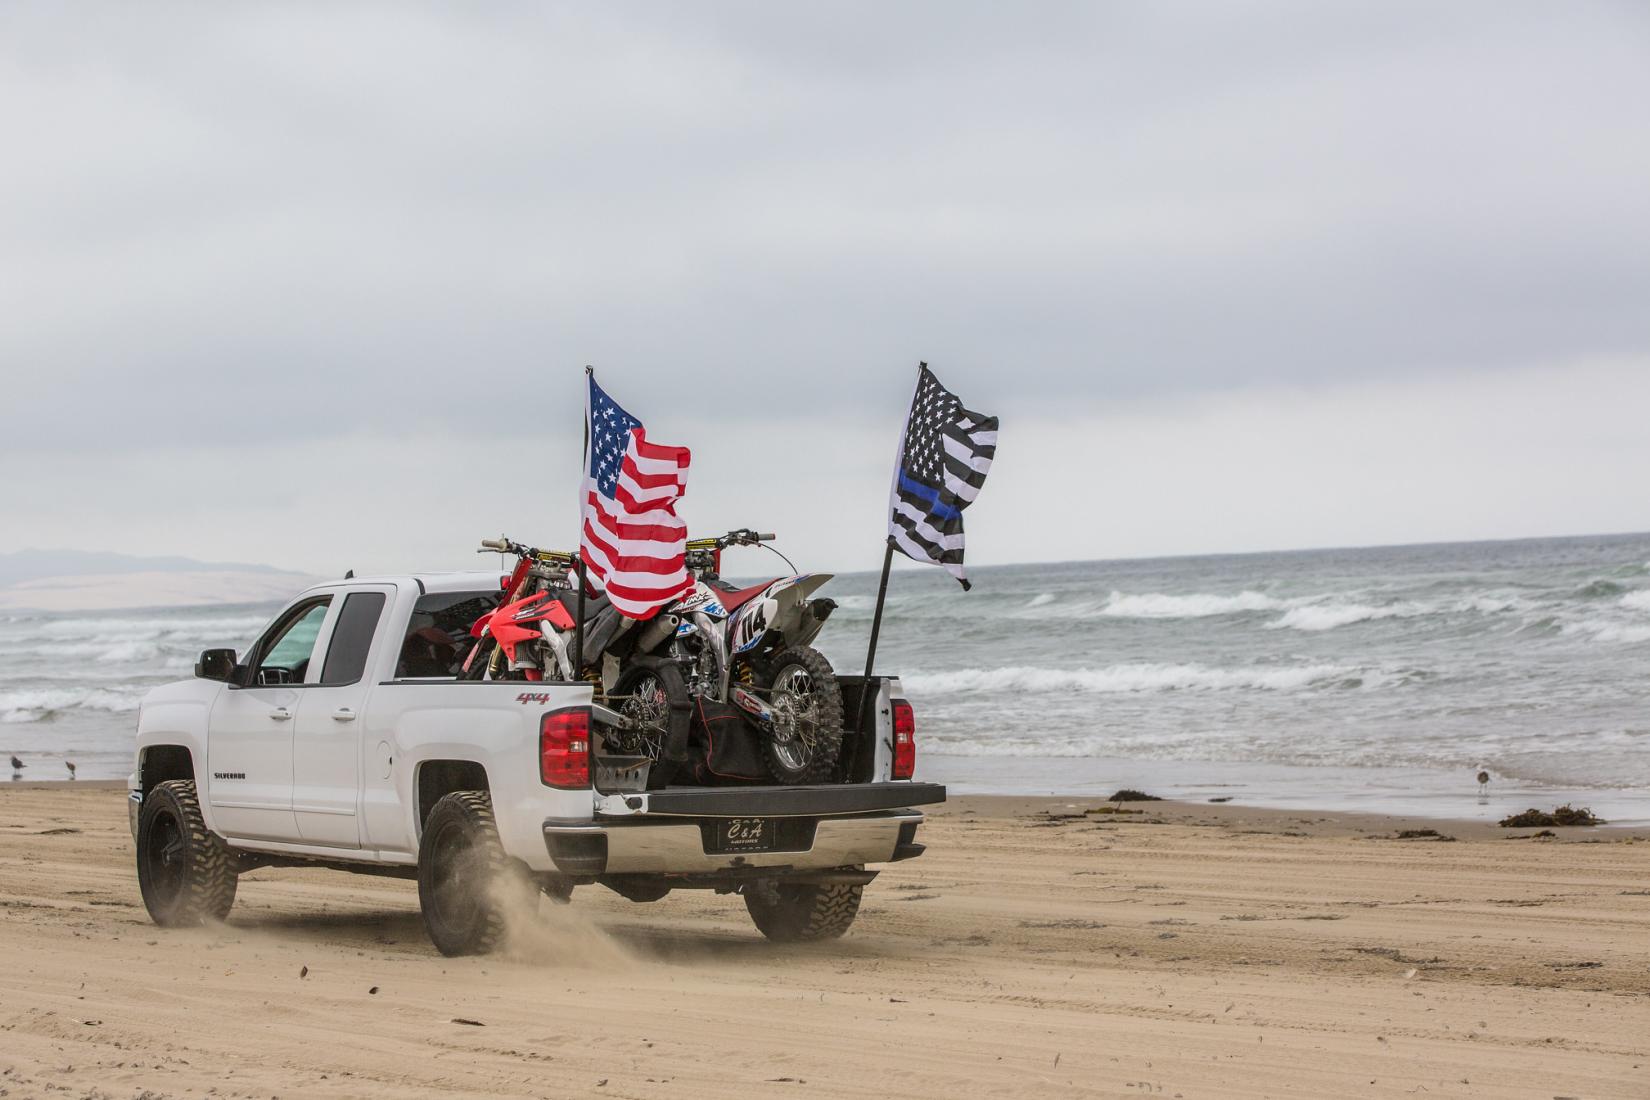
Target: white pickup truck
pixel 343 738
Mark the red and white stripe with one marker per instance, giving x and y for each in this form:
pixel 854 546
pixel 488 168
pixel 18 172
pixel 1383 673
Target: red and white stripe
pixel 633 542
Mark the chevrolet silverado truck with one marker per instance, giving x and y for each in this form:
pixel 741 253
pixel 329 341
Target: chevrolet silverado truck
pixel 343 738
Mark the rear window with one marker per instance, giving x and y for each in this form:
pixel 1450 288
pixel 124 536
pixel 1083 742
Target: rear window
pixel 438 634
pixel 352 637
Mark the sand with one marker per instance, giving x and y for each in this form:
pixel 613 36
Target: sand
pixel 1188 951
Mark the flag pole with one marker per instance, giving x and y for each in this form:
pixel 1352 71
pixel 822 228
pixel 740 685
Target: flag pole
pixel 578 625
pixel 865 695
pixel 578 555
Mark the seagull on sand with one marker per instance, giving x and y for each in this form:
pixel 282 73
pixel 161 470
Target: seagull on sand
pixel 70 765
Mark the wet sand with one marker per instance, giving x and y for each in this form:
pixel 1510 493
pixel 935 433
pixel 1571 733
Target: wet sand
pixel 1187 950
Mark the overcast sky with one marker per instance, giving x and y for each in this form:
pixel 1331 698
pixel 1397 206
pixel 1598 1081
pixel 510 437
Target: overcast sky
pixel 313 284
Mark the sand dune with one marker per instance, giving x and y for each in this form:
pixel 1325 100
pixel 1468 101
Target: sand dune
pixel 1187 951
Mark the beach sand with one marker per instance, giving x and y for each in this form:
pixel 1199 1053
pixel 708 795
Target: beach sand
pixel 1185 951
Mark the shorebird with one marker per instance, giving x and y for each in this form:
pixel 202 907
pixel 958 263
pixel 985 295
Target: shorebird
pixel 1483 779
pixel 70 765
pixel 17 765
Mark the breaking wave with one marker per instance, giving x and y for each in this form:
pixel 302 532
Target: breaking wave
pixel 1041 600
pixel 1605 630
pixel 1328 616
pixel 114 630
pixel 1198 605
pixel 1117 679
pixel 33 706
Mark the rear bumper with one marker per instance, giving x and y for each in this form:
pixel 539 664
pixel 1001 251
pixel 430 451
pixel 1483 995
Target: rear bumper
pixel 675 845
pixel 812 801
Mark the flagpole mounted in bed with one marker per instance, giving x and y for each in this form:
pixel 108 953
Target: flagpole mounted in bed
pixel 578 558
pixel 866 697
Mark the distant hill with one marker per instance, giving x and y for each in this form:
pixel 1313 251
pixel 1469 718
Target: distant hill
pixel 27 565
pixel 86 580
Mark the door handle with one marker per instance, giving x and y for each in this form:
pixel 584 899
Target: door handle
pixel 280 714
pixel 343 714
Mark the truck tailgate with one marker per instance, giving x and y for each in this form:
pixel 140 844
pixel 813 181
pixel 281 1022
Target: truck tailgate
pixel 804 801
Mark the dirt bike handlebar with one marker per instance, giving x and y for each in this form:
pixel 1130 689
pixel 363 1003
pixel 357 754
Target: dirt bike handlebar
pixel 502 545
pixel 742 537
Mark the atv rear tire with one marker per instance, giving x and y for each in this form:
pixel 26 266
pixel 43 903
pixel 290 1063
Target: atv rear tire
pixel 186 873
pixel 467 886
pixel 790 912
pixel 802 681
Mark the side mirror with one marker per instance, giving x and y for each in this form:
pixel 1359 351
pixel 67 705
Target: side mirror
pixel 216 664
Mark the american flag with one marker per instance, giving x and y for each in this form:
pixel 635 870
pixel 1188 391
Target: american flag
pixel 631 539
pixel 944 455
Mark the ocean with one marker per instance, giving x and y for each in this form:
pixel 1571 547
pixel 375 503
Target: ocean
pixel 1377 678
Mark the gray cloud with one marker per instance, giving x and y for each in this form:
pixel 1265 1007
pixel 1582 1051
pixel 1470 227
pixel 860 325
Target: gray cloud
pixel 243 226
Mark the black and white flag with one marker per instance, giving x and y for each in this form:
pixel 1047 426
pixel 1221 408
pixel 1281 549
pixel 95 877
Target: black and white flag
pixel 944 455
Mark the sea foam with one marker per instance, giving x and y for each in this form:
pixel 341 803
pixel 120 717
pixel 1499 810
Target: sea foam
pixel 32 706
pixel 1328 616
pixel 1197 605
pixel 1140 678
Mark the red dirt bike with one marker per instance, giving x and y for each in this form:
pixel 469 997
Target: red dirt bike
pixel 531 630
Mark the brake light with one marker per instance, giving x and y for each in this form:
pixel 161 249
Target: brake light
pixel 905 740
pixel 564 749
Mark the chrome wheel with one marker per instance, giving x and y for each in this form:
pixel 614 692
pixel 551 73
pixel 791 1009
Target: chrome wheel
pixel 795 717
pixel 805 737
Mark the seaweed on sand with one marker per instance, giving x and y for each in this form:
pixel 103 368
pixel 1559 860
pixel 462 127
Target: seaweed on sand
pixel 1564 815
pixel 1422 834
pixel 1129 794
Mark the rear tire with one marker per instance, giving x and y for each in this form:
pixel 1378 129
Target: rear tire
pixel 792 912
pixel 186 873
pixel 804 692
pixel 467 886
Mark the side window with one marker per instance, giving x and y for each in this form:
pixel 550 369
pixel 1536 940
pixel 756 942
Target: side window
pixel 352 637
pixel 438 633
pixel 285 658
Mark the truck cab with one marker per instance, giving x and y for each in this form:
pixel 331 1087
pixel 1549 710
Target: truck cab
pixel 344 737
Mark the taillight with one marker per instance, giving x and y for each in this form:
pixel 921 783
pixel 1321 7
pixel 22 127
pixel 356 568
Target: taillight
pixel 905 740
pixel 564 749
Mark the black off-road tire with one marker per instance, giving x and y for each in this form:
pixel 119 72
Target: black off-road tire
pixel 186 873
pixel 828 732
pixel 467 886
pixel 793 912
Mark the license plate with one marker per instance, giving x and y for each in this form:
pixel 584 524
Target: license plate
pixel 745 834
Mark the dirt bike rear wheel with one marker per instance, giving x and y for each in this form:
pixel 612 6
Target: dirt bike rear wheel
pixel 806 700
pixel 640 696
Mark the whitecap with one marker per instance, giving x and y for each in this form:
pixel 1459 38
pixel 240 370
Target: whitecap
pixel 1328 616
pixel 1140 678
pixel 1604 630
pixel 1637 601
pixel 1197 605
pixel 32 706
pixel 1041 600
